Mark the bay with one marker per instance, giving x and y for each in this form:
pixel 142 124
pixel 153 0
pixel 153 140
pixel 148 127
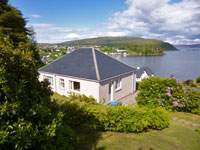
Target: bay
pixel 183 63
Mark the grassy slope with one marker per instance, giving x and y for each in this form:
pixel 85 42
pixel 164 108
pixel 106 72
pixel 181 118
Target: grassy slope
pixel 120 41
pixel 178 136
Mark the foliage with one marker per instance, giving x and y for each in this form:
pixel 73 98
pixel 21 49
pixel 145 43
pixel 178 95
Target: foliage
pixel 79 110
pixel 168 93
pixel 108 50
pixel 13 25
pixel 198 130
pixel 189 83
pixel 113 118
pixel 83 98
pixel 28 120
pixel 34 48
pixel 134 119
pixel 198 79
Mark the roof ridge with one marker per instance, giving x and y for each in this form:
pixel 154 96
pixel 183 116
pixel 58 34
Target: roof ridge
pixel 95 64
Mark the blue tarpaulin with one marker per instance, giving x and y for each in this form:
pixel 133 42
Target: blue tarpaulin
pixel 114 103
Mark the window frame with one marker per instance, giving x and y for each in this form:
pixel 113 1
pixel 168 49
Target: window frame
pixel 62 81
pixel 118 84
pixel 49 78
pixel 71 86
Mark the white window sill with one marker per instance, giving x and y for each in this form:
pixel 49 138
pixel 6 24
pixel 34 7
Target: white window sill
pixel 75 91
pixel 62 88
pixel 51 86
pixel 118 89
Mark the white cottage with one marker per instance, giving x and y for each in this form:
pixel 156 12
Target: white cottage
pixel 142 73
pixel 90 72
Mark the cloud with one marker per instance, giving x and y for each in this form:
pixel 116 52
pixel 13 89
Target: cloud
pixel 116 34
pixel 50 33
pixel 177 22
pixel 72 36
pixel 35 16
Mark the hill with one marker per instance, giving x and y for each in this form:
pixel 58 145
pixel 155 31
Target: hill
pixel 132 44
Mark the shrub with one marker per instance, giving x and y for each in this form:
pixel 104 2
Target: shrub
pixel 168 93
pixel 80 110
pixel 83 98
pixel 134 119
pixel 188 82
pixel 65 138
pixel 198 79
pixel 198 130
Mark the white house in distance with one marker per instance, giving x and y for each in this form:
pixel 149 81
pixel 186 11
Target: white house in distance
pixel 142 73
pixel 89 71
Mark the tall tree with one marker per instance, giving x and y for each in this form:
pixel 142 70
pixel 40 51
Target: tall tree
pixel 28 118
pixel 12 24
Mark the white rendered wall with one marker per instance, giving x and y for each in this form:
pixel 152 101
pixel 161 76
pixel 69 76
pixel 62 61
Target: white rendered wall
pixel 144 75
pixel 89 88
pixel 99 91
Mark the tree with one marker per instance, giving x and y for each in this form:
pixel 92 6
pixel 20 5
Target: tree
pixel 28 117
pixel 12 24
pixel 34 48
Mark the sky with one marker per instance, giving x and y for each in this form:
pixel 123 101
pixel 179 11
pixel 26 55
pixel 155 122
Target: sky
pixel 54 21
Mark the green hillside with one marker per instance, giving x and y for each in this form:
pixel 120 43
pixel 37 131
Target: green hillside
pixel 134 44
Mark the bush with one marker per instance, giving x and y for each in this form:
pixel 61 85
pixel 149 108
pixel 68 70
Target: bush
pixel 168 93
pixel 80 110
pixel 118 118
pixel 83 98
pixel 134 119
pixel 198 79
pixel 198 130
pixel 189 82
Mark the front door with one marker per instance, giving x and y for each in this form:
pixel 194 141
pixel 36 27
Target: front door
pixel 111 91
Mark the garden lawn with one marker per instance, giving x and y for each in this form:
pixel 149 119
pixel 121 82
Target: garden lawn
pixel 178 136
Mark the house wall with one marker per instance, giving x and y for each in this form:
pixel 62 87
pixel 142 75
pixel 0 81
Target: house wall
pixel 88 88
pixel 127 87
pixel 99 91
pixel 144 75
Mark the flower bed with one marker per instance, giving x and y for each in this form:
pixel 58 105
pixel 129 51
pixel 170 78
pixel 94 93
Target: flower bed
pixel 168 93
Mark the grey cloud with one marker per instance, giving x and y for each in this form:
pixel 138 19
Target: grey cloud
pixel 159 19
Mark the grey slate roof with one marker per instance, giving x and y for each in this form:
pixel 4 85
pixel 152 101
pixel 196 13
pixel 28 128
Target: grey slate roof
pixel 81 64
pixel 140 71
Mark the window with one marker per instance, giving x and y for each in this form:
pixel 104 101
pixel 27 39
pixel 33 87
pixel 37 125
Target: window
pixel 75 86
pixel 118 84
pixel 62 83
pixel 50 79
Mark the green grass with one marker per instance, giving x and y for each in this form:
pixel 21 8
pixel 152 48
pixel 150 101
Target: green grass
pixel 178 136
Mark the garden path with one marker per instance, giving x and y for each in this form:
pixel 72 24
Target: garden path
pixel 129 100
pixel 186 122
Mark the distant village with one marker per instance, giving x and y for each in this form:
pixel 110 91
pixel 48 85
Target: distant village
pixel 49 53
